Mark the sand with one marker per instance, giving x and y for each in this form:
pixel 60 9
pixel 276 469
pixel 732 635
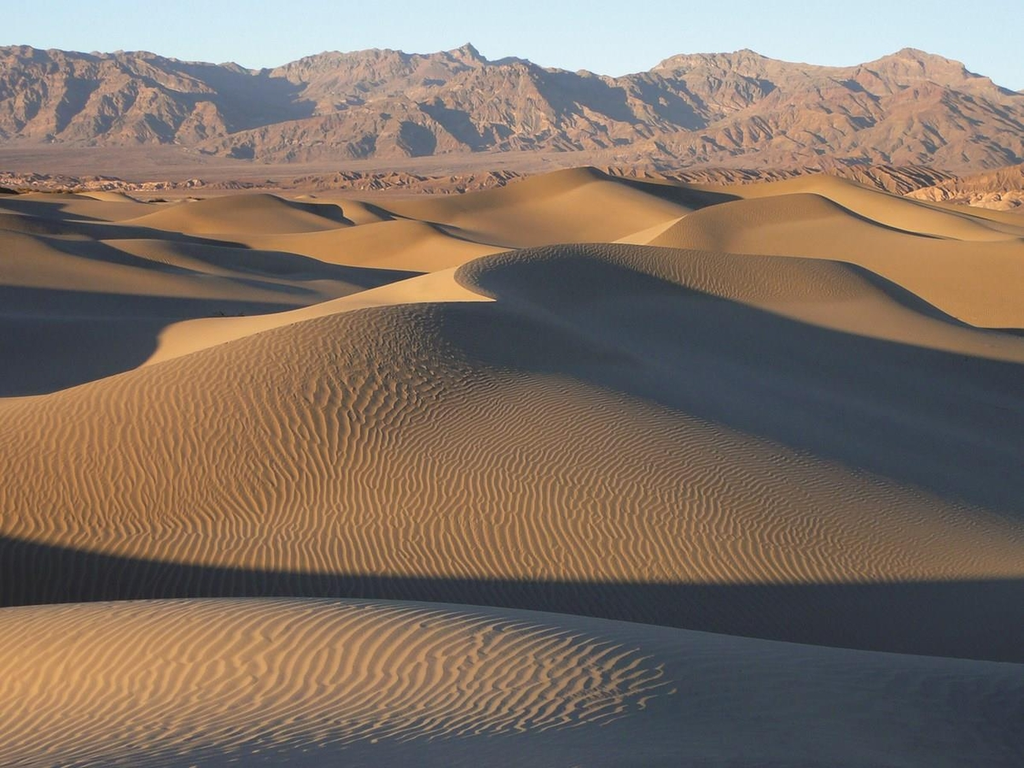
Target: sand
pixel 575 471
pixel 314 682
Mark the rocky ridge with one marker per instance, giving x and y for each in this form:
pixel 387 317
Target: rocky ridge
pixel 731 109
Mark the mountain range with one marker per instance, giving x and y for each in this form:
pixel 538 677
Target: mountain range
pixel 736 109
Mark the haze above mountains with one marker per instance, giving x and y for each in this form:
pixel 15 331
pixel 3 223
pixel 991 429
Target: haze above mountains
pixel 729 109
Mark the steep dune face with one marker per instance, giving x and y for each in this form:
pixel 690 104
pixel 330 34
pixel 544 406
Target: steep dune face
pixel 781 416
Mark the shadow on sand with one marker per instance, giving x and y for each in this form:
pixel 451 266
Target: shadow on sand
pixel 966 619
pixel 949 424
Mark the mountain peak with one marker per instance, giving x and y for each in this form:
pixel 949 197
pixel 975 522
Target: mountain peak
pixel 919 55
pixel 468 51
pixel 744 59
pixel 922 59
pixel 908 64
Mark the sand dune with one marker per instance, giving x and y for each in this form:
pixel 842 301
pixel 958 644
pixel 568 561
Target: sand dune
pixel 304 682
pixel 580 205
pixel 109 197
pixel 782 415
pixel 553 435
pixel 263 213
pixel 957 222
pixel 75 206
pixel 192 335
pixel 974 275
pixel 77 308
pixel 404 244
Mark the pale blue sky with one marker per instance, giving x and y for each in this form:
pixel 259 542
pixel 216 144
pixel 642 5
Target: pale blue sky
pixel 607 37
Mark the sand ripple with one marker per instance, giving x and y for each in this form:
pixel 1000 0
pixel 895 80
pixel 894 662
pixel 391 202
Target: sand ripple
pixel 157 682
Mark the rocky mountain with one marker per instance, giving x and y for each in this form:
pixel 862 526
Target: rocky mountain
pixel 1000 189
pixel 730 109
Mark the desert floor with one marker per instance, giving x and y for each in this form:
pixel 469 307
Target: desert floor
pixel 578 471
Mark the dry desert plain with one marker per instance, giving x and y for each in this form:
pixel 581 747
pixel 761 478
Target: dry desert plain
pixel 578 471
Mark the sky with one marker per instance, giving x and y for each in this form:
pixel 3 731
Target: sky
pixel 612 38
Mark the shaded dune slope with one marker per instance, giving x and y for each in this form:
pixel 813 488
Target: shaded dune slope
pixel 74 309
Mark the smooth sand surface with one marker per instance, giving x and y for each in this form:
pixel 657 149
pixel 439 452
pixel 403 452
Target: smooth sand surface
pixel 742 488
